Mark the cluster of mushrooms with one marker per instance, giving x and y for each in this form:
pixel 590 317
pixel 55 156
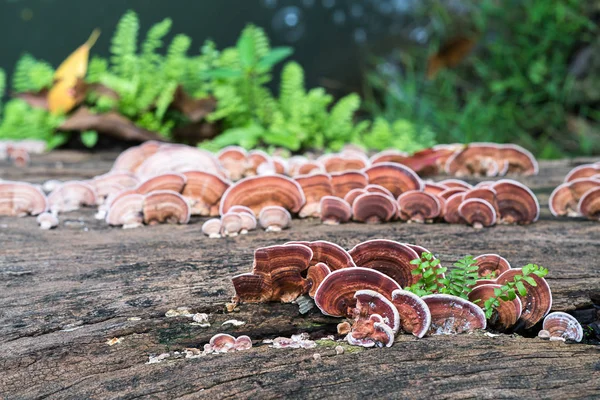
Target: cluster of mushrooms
pixel 167 183
pixel 365 285
pixel 18 151
pixel 579 195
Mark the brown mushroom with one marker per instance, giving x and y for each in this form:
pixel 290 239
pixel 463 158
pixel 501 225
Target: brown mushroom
pixel 113 183
pixel 47 220
pixel 374 208
pixel 315 275
pixel 341 163
pixel 20 199
pixel 538 300
pixel 372 188
pixel 255 159
pixel 434 188
pixel 452 314
pixel 331 254
pixel 451 214
pixel 133 157
pixel 478 213
pixel 231 224
pixel 234 160
pixel 335 295
pixel 369 302
pixel 126 211
pixel 222 343
pixel 455 184
pixel 170 181
pixel 516 202
pixel 71 195
pixel 474 159
pixel 564 326
pixel 314 187
pixel 369 332
pixel 203 191
pixel 389 257
pixel 353 194
pixel 274 218
pixel 505 315
pixel 583 171
pixel 491 265
pixel 343 182
pixel 417 206
pixel 261 191
pixel 519 160
pixel 488 194
pixel 414 313
pixel 165 206
pixel 243 343
pixel 334 210
pixel 397 178
pixel 446 194
pixel 252 288
pixel 179 158
pixel 212 228
pixel 248 219
pixel 589 204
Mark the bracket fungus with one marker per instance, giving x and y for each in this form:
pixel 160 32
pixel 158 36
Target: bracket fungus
pixel 538 300
pixel 165 206
pixel 178 158
pixel 446 194
pixel 20 199
pixel 133 157
pixel 343 182
pixel 335 295
pixel 203 191
pixel 491 264
pixel 589 204
pixel 453 314
pixel 374 208
pixel 212 228
pixel 418 206
pixel 505 315
pixel 342 162
pixel 376 320
pixel 231 224
pixel 388 257
pixel 371 331
pixel 258 192
pixel 71 196
pixel 249 222
pixel 451 214
pixel 47 220
pixel 334 210
pixel 315 275
pixel 112 183
pixel 274 218
pixel 564 326
pixel 331 254
pixel 126 211
pixel 234 160
pixel 414 313
pixel 478 213
pixel 583 171
pixel 169 181
pixel 516 202
pixel 397 178
pixel 315 187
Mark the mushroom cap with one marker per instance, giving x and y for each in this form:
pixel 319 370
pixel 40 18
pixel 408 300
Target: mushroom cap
pixel 126 210
pixel 388 257
pixel 491 263
pixel 538 300
pixel 170 181
pixel 314 187
pixel 335 295
pixel 451 214
pixel 343 182
pixel 374 208
pixel 368 332
pixel 452 314
pixel 315 275
pixel 165 206
pixel 334 210
pixel 113 183
pixel 274 218
pixel 222 343
pixel 20 198
pixel 418 206
pixel 353 194
pixel 397 178
pixel 243 343
pixel 258 192
pixel 331 254
pixel 389 155
pixel 452 183
pixel 231 224
pixel 256 158
pixel 308 167
pixel 589 204
pixel 71 195
pixel 488 194
pixel 583 171
pixel 372 188
pixel 252 288
pixel 565 198
pixel 473 159
pixel 234 159
pixel 369 302
pixel 179 158
pixel 506 315
pixel 203 190
pixel 340 163
pixel 425 162
pixel 418 249
pixel 434 188
pixel 133 157
pixel 563 325
pixel 414 312
pixel 212 227
pixel 249 222
pixel 47 220
pixel 477 212
pixel 519 160
pixel 516 202
pixel 446 194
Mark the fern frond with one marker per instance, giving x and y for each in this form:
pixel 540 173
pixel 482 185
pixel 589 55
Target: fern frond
pixel 2 87
pixel 260 40
pixel 153 41
pixel 291 89
pixel 176 60
pixel 124 45
pixel 32 75
pixel 97 67
pixel 165 98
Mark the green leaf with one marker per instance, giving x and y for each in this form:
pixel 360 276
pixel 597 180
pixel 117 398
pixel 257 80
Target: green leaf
pixel 89 138
pixel 530 280
pixel 223 73
pixel 521 288
pixel 275 56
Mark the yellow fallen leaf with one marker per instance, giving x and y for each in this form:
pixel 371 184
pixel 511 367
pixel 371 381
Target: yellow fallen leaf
pixel 61 97
pixel 76 64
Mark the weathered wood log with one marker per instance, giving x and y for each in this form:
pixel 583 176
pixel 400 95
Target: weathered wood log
pixel 64 293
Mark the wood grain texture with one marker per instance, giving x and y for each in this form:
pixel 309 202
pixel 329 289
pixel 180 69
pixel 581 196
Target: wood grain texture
pixel 65 292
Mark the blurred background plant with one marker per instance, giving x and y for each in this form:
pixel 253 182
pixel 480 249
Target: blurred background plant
pixel 522 82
